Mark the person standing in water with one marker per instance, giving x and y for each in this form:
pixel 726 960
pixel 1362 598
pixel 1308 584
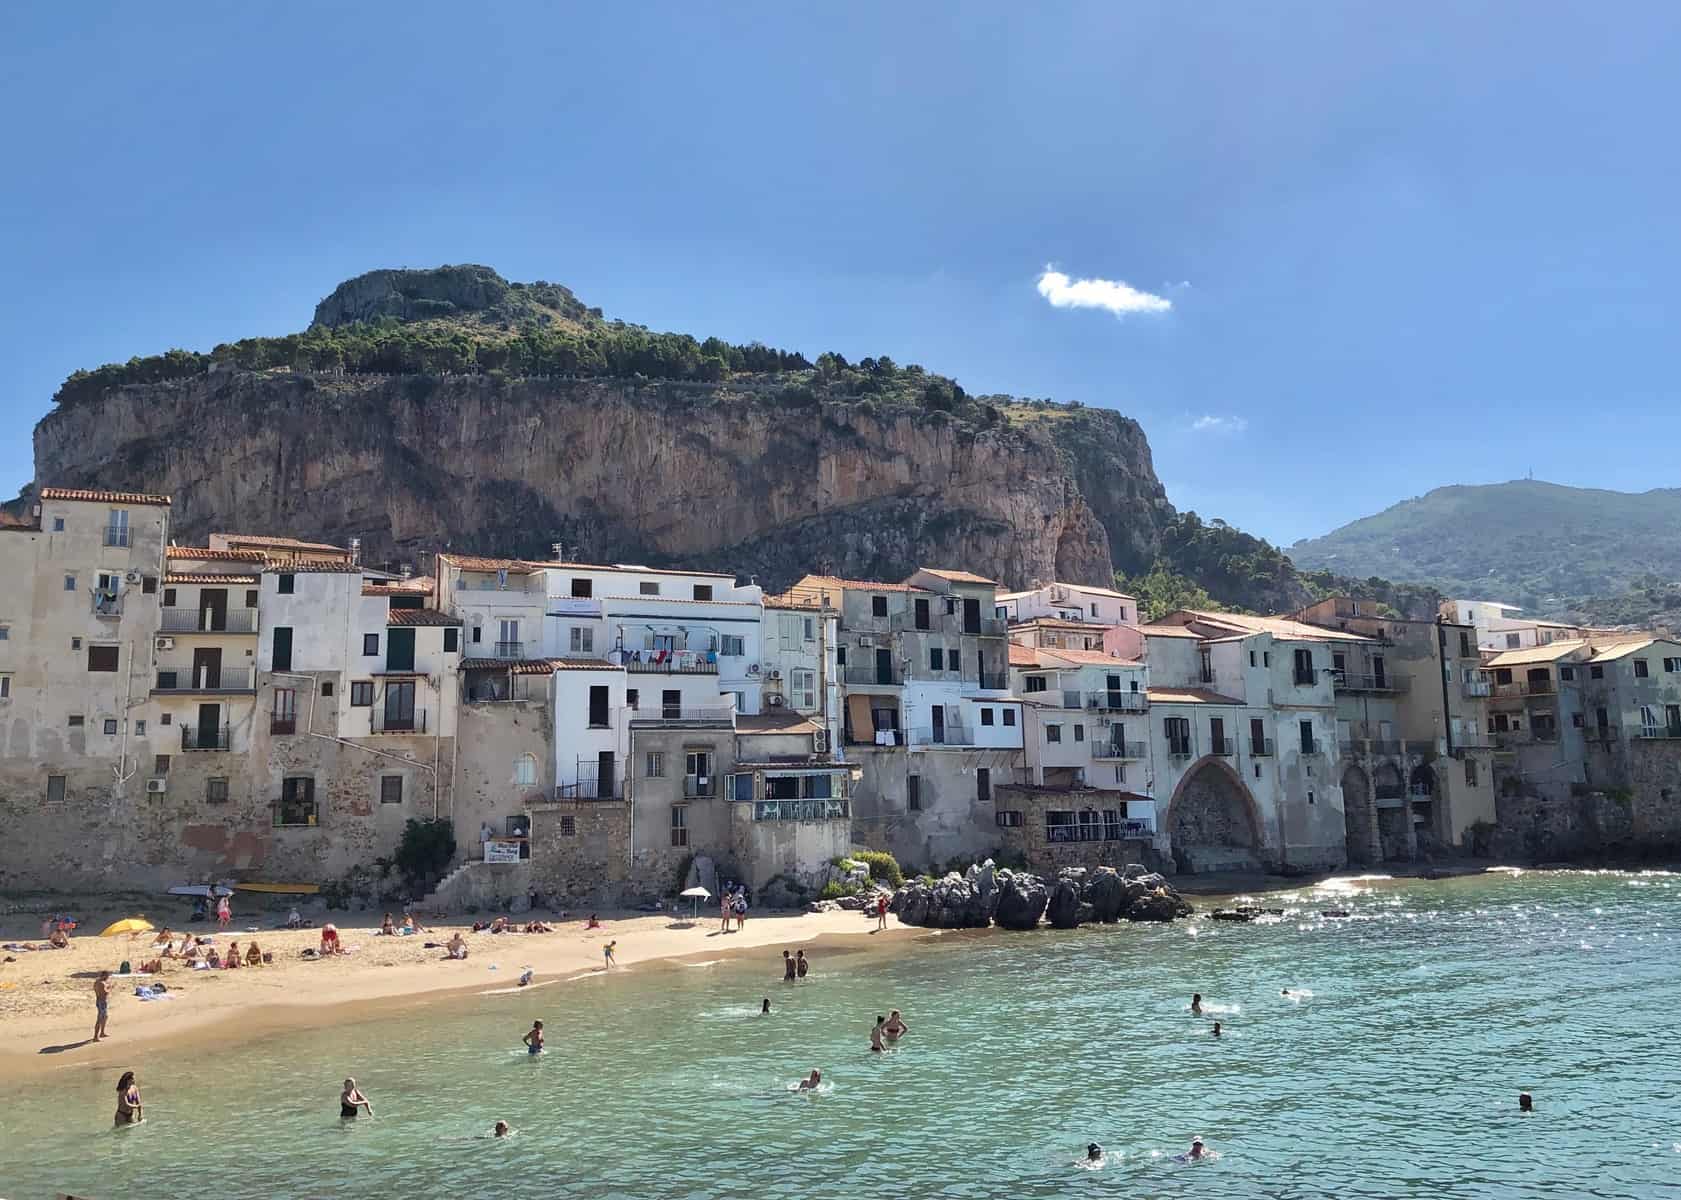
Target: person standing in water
pixel 1196 1004
pixel 876 1035
pixel 1094 1152
pixel 224 913
pixel 895 1027
pixel 101 1004
pixel 787 967
pixel 534 1039
pixel 764 1007
pixel 128 1100
pixel 1526 1102
pixel 800 964
pixel 352 1099
pixel 1196 1151
pixel 1216 1029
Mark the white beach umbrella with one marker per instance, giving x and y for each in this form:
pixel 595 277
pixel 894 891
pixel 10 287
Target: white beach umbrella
pixel 695 894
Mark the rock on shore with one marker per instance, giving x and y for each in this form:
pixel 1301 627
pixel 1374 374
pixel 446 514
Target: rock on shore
pixel 1019 900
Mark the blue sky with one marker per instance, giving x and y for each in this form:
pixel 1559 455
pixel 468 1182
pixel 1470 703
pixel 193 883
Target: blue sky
pixel 1402 245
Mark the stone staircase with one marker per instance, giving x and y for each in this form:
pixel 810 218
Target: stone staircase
pixel 475 884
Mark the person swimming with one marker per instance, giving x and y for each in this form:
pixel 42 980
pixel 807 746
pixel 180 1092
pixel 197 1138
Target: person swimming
pixel 876 1034
pixel 764 1007
pixel 352 1099
pixel 1196 1004
pixel 1216 1030
pixel 129 1108
pixel 811 1082
pixel 895 1027
pixel 534 1039
pixel 1094 1152
pixel 1196 1151
pixel 1526 1102
pixel 501 1129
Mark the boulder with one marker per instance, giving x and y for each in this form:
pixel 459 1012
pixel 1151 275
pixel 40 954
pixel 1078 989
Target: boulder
pixel 1134 871
pixel 1161 904
pixel 779 893
pixel 985 879
pixel 1063 908
pixel 851 903
pixel 1106 894
pixel 957 904
pixel 822 906
pixel 1021 900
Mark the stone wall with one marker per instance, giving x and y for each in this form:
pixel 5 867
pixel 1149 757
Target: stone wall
pixel 1029 843
pixel 580 850
pixel 952 821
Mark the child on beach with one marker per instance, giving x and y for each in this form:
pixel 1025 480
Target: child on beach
pixel 224 913
pixel 607 954
pixel 101 1003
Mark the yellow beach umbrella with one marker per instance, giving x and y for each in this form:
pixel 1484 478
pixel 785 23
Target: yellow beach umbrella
pixel 127 925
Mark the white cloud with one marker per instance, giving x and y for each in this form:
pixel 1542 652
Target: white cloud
pixel 1208 423
pixel 1111 295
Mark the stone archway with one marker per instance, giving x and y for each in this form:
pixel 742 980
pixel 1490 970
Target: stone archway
pixel 1389 789
pixel 1213 822
pixel 1359 817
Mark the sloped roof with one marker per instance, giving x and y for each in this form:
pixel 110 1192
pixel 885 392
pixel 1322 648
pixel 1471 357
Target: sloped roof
pixel 474 562
pixel 278 543
pixel 1285 628
pixel 777 722
pixel 1178 631
pixel 1061 623
pixel 1023 656
pixel 1618 650
pixel 1551 652
pixel 1086 657
pixel 419 617
pixel 535 666
pixel 1168 695
pixel 205 554
pixel 862 585
pixel 89 494
pixel 958 576
pixel 175 579
pixel 420 586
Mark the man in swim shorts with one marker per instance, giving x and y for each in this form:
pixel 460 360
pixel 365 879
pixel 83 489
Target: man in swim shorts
pixel 534 1039
pixel 876 1035
pixel 787 967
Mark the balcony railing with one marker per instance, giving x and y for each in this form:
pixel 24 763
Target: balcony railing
pixel 1525 687
pixel 993 681
pixel 184 680
pixel 116 535
pixel 1222 747
pixel 194 738
pixel 1511 739
pixel 1387 682
pixel 655 713
pixel 952 734
pixel 1260 748
pixel 680 664
pixel 591 789
pixel 107 604
pixel 1113 748
pixel 1106 831
pixel 1179 751
pixel 1113 700
pixel 510 649
pixel 831 809
pixel 1657 732
pixel 1475 689
pixel 381 721
pixel 869 673
pixel 700 787
pixel 194 620
pixel 282 725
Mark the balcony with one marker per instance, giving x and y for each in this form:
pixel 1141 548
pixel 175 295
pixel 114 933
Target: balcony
pixel 655 714
pixel 381 721
pixel 991 681
pixel 1260 747
pixel 1222 747
pixel 1476 689
pixel 510 649
pixel 1112 700
pixel 1651 733
pixel 1107 831
pixel 952 734
pixel 1522 688
pixel 1117 749
pixel 591 789
pixel 195 738
pixel 193 620
pixel 1386 683
pixel 116 535
pixel 184 682
pixel 1515 738
pixel 700 787
pixel 868 674
pixel 108 605
pixel 831 809
pixel 987 627
pixel 282 726
pixel 684 662
pixel 1179 751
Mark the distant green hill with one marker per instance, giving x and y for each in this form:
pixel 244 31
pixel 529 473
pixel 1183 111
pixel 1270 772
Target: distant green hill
pixel 1550 548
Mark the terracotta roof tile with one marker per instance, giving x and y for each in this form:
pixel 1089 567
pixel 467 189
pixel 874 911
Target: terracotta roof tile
pixel 280 543
pixel 1165 695
pixel 537 666
pixel 58 493
pixel 1086 657
pixel 1060 623
pixel 958 576
pixel 1023 656
pixel 777 722
pixel 861 585
pixel 408 617
pixel 475 562
pixel 399 587
pixel 1178 631
pixel 208 577
pixel 205 554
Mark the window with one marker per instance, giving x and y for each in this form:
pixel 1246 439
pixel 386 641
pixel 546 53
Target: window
pixel 55 789
pixel 164 719
pixel 953 664
pixel 390 789
pixel 1670 665
pixel 102 658
pixel 1464 644
pixel 6 633
pixel 1053 733
pixel 983 784
pixel 69 583
pixel 951 606
pixel 1304 668
pixel 986 716
pixel 1596 671
pixel 1567 673
pixel 936 659
pixel 110 727
pixel 655 765
pixel 1339 662
pixel 327 689
pixel 1079 733
pixel 920 613
pixel 1310 797
pixel 1009 716
pixel 250 597
pixel 5 687
pixel 1205 661
pixel 452 639
pixel 703 591
pixel 216 789
pixel 283 716
pixel 1513 641
pixel 361 693
pixel 1641 671
pixel 1178 731
pixel 810 629
pixel 633 698
pixel 169 597
pixel 1307 737
pixel 139 726
pixel 647 588
pixel 280 658
pixel 1034 683
pixel 569 827
pixel 297 799
pixel 805 690
pixel 525 770
pixel 1094 608
pixel 582 640
pixel 1266 658
pixel 160 764
pixel 58 524
pixel 75 720
pixel 370 645
pixel 878 606
pixel 840 656
pixel 1470 772
pixel 1008 818
pixel 285 585
pixel 913 793
pixel 732 646
pixel 582 589
pixel 1251 658
pixel 679 824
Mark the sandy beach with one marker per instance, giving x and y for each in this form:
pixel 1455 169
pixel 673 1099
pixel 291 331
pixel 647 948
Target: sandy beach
pixel 47 1006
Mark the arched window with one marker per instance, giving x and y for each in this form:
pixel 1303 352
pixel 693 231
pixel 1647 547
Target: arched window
pixel 525 770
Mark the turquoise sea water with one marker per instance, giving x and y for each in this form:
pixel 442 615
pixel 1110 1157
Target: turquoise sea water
pixel 1430 1010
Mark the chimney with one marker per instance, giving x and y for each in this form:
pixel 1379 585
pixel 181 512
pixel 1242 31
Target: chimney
pixel 559 549
pixel 355 552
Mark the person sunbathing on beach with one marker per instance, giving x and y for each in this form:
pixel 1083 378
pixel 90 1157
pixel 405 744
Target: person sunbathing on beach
pixel 411 924
pixel 499 925
pixel 457 946
pixel 593 922
pixel 538 927
pixel 164 937
pixel 387 927
pixel 253 956
pixel 58 940
pixel 812 1082
pixel 214 959
pixel 330 943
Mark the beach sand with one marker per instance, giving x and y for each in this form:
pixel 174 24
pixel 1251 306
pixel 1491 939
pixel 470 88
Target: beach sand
pixel 46 996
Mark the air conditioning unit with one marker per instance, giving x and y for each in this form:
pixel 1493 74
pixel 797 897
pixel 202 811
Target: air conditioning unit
pixel 754 668
pixel 157 787
pixel 774 675
pixel 775 701
pixel 820 741
pixel 132 577
pixel 164 643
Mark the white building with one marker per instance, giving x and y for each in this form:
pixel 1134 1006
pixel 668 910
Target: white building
pixel 1068 602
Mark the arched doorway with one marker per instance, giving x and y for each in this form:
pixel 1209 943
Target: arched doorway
pixel 1357 815
pixel 1421 801
pixel 1212 819
pixel 1390 791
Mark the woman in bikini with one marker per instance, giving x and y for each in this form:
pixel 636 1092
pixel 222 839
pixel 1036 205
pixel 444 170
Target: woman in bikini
pixel 231 962
pixel 253 956
pixel 128 1100
pixel 351 1099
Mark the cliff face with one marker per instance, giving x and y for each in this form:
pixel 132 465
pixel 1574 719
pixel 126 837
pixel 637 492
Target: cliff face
pixel 676 473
